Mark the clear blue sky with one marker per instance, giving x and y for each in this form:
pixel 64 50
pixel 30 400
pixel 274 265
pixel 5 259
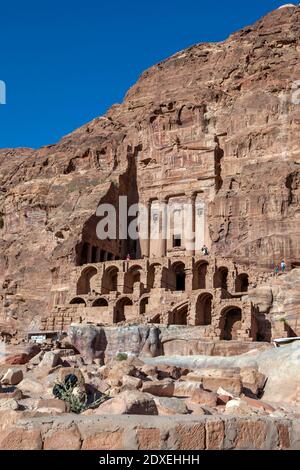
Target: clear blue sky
pixel 66 62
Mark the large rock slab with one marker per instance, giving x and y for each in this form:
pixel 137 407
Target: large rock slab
pixel 104 343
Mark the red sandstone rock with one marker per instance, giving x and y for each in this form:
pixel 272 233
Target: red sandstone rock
pixel 229 97
pixel 170 406
pixel 161 388
pixel 12 376
pixel 203 397
pixel 129 402
pixel 19 354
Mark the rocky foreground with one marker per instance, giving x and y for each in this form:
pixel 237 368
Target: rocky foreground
pixel 53 397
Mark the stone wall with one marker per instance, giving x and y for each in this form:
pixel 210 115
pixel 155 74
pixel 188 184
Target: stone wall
pixel 151 433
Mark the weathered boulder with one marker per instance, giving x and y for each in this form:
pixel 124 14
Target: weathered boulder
pixel 10 404
pixel 161 388
pixel 106 342
pixel 31 387
pixel 13 376
pixel 20 354
pixel 131 383
pixel 51 406
pixel 170 406
pixel 50 359
pixel 202 397
pixel 129 402
pixel 213 378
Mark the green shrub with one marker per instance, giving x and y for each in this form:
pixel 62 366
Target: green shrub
pixel 77 403
pixel 121 356
pixel 1 221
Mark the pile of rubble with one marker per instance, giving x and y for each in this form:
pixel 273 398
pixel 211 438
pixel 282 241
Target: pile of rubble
pixel 128 385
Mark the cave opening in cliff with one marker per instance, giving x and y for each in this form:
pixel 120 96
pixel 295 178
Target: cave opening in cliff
pixel 203 309
pixel 230 323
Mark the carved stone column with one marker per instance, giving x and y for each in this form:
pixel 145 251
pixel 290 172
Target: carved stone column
pixel 145 232
pixel 163 227
pixel 189 224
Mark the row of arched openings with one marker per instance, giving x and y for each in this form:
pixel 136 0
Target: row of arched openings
pixel 172 279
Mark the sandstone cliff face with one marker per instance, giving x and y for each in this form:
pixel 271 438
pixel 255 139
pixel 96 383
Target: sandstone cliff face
pixel 222 116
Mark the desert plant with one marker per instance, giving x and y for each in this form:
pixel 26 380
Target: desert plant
pixel 283 319
pixel 78 402
pixel 1 221
pixel 121 356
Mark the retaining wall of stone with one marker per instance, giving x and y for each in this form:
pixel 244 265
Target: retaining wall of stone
pixel 128 432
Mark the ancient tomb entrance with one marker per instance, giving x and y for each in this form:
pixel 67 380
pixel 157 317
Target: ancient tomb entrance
pixel 78 301
pixel 199 278
pixel 132 279
pixel 143 305
pixel 100 303
pixel 242 283
pixel 178 276
pixel 179 315
pixel 230 323
pixel 84 284
pixel 220 278
pixel 110 280
pixel 203 309
pixel 120 309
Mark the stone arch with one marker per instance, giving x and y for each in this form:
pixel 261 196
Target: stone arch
pixel 151 275
pixel 155 319
pixel 221 278
pixel 242 283
pixel 85 279
pixel 157 276
pixel 177 276
pixel 230 322
pixel 110 279
pixel 100 302
pixel 132 277
pixel 199 275
pixel 179 314
pixel 78 301
pixel 204 309
pixel 143 305
pixel 120 309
